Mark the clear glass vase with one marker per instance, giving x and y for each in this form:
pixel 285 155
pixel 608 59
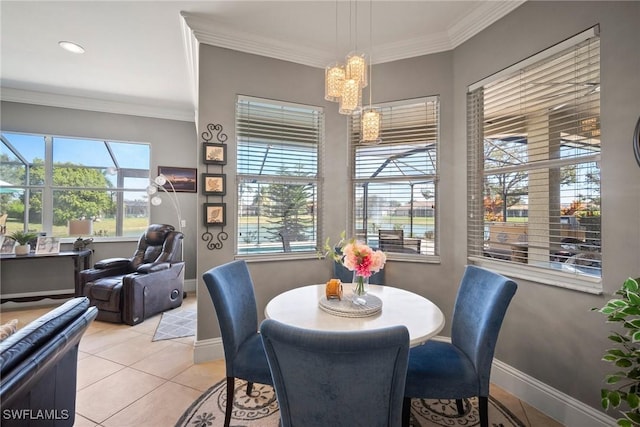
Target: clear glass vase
pixel 360 284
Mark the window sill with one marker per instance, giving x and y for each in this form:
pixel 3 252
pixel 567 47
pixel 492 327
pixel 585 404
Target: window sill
pixel 280 256
pixel 581 283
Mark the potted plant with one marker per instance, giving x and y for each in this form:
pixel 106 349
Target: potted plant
pixel 23 238
pixel 624 384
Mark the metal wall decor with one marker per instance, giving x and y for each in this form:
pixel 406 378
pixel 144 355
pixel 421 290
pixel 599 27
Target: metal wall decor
pixel 214 154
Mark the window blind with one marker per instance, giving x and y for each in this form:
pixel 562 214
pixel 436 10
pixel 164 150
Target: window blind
pixel 278 162
pixel 533 159
pixel 395 181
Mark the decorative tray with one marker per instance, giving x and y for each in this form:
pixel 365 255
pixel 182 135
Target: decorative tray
pixel 352 305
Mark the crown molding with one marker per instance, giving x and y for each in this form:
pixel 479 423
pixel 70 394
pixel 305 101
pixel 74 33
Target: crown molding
pixel 212 32
pixel 94 104
pixel 209 31
pixel 479 19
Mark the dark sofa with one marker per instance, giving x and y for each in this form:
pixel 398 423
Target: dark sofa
pixel 38 367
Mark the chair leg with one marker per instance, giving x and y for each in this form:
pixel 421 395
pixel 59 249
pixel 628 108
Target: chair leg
pixel 406 411
pixel 460 406
pixel 483 407
pixel 249 387
pixel 230 392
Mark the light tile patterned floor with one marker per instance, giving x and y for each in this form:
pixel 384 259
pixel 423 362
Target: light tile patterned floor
pixel 125 379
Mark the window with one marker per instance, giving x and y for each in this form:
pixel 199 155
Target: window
pixel 395 182
pixel 278 146
pixel 47 181
pixel 534 156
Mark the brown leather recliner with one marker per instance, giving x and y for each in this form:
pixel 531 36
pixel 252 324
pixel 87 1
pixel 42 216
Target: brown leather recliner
pixel 129 290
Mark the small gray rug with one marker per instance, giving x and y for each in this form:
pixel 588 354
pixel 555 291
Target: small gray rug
pixel 261 410
pixel 176 323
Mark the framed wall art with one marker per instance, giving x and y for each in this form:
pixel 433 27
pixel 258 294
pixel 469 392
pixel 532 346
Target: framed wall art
pixel 215 214
pixel 214 154
pixel 184 180
pixel 214 184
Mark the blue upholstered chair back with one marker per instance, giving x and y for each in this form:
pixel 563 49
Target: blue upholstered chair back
pixel 337 378
pixel 231 290
pixel 482 301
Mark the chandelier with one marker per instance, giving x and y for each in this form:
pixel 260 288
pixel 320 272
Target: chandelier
pixel 344 84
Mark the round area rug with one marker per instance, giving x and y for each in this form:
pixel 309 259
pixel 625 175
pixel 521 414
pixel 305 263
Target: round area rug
pixel 260 409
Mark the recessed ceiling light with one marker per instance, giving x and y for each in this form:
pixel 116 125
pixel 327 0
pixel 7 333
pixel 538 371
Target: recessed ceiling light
pixel 71 47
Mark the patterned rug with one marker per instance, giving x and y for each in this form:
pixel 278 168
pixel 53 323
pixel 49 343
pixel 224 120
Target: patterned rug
pixel 261 410
pixel 176 323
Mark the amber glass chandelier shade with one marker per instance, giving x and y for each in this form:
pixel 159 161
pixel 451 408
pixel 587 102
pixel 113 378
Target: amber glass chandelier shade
pixel 371 119
pixel 356 68
pixel 351 99
pixel 333 82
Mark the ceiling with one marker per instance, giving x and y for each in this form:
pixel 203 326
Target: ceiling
pixel 139 54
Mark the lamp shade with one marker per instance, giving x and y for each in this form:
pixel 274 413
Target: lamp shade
pixel 351 99
pixel 356 68
pixel 80 227
pixel 333 82
pixel 370 125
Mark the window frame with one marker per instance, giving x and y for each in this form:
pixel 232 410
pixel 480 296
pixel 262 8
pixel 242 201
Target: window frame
pixel 431 101
pixel 48 187
pixel 476 175
pixel 272 178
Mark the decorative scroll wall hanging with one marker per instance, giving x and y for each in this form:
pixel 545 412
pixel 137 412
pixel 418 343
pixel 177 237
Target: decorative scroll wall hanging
pixel 214 185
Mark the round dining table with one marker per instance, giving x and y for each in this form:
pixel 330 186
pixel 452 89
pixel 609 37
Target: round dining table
pixel 300 307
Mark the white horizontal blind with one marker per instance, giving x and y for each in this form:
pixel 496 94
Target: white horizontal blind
pixel 278 148
pixel 395 181
pixel 534 149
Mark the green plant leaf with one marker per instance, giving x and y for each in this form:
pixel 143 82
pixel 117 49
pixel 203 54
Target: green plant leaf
pixel 634 298
pixel 633 400
pixel 624 423
pixel 630 311
pixel 605 403
pixel 635 323
pixel 631 285
pixel 616 352
pixel 633 416
pixel 614 398
pixel 624 363
pixel 612 379
pixel 636 336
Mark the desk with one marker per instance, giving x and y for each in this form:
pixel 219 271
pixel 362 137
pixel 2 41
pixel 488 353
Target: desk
pixel 299 307
pixel 81 261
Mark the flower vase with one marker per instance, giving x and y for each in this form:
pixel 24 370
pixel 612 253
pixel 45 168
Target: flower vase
pixel 360 284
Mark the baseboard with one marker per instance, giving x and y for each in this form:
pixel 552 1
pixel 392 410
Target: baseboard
pixel 561 407
pixel 553 403
pixel 207 350
pixel 190 285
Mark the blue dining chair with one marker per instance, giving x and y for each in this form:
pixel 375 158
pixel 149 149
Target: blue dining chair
pixel 461 368
pixel 351 378
pixel 231 290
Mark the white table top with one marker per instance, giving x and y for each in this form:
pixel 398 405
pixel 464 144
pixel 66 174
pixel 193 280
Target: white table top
pixel 299 307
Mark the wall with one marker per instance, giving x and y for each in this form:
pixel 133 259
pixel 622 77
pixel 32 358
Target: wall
pixel 224 74
pixel 550 333
pixel 172 144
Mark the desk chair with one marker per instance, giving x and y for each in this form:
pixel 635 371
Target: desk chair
pixel 461 369
pixel 322 379
pixel 231 290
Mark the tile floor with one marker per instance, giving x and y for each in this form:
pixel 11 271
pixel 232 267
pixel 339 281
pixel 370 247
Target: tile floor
pixel 125 379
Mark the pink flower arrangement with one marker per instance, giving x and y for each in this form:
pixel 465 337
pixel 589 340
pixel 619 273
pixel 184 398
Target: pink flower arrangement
pixel 356 256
